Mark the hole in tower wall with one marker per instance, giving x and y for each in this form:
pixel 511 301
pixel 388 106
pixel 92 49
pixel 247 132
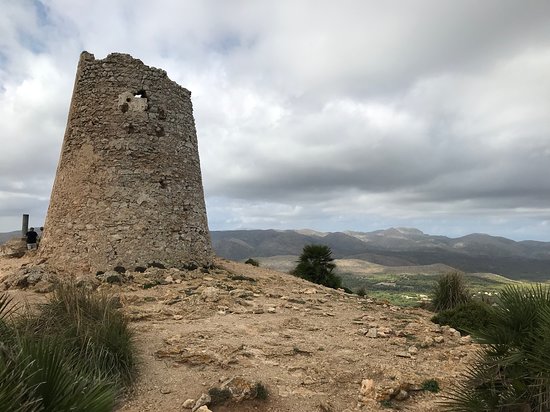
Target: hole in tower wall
pixel 129 127
pixel 140 94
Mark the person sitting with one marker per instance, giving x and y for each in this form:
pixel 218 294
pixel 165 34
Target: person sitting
pixel 32 237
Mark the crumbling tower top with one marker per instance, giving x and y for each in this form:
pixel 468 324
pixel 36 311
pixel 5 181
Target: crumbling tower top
pixel 128 189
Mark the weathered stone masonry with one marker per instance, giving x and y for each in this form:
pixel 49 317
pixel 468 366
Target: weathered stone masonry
pixel 128 189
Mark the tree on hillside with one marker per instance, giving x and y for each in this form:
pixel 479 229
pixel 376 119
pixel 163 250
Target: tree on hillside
pixel 316 265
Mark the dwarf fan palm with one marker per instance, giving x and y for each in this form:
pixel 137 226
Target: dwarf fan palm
pixel 512 372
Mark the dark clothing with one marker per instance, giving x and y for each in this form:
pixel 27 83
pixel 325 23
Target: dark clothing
pixel 31 236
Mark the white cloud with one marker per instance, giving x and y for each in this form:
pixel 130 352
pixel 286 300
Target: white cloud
pixel 316 113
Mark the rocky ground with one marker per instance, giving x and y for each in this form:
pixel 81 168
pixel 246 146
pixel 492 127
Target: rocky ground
pixel 219 339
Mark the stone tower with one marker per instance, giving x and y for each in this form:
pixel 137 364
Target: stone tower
pixel 128 189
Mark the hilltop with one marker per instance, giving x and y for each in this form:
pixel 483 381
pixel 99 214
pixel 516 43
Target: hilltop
pixel 315 349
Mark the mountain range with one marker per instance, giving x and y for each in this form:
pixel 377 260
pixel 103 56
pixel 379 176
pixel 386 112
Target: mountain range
pixel 4 237
pixel 476 252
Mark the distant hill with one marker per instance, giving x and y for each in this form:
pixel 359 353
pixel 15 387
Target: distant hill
pixel 242 244
pixel 4 237
pixel 398 247
pixel 394 247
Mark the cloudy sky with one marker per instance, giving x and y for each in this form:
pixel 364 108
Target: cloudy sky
pixel 329 115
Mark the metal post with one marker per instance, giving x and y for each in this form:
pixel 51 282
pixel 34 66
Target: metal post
pixel 25 227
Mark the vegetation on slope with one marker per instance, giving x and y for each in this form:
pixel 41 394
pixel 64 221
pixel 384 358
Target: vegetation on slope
pixel 511 372
pixel 316 265
pixel 465 318
pixel 450 291
pixel 73 353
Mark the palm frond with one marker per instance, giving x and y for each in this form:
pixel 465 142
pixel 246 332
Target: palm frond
pixel 512 372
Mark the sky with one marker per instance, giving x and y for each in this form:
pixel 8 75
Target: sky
pixel 329 115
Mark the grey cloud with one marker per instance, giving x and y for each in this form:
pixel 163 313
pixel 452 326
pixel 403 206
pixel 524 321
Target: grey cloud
pixel 351 113
pixel 377 49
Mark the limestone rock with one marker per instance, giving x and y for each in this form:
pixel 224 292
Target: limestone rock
pixel 111 276
pixel 372 333
pixel 465 340
pixel 402 354
pixel 35 277
pixel 427 342
pixel 210 294
pixel 14 248
pixel 367 388
pixel 240 388
pixel 413 350
pixel 401 395
pixel 203 400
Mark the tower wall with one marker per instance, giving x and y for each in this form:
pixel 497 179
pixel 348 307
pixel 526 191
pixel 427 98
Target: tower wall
pixel 128 189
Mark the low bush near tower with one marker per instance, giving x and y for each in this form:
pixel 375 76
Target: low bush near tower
pixel 73 353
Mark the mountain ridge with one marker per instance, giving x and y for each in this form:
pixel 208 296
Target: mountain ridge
pixel 476 252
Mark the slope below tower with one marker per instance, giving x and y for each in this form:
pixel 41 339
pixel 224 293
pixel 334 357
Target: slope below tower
pixel 128 189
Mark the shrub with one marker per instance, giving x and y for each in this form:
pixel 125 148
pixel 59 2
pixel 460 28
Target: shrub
pixel 58 380
pixel 89 322
pixel 16 389
pixel 261 391
pixel 219 395
pixel 469 316
pixel 72 353
pixel 430 385
pixel 315 264
pixel 511 371
pixel 449 291
pixel 252 262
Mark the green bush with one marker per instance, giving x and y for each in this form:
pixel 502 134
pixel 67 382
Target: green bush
pixel 449 291
pixel 430 385
pixel 91 324
pixel 315 264
pixel 252 262
pixel 73 353
pixel 218 396
pixel 57 379
pixel 362 291
pixel 511 372
pixel 469 316
pixel 261 391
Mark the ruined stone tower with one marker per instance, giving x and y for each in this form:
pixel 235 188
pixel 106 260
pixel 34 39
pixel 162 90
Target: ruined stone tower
pixel 128 189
